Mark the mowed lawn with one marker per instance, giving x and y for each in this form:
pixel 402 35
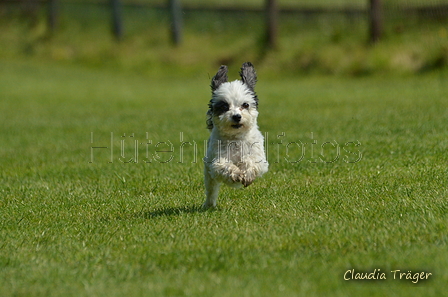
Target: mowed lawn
pixel 101 187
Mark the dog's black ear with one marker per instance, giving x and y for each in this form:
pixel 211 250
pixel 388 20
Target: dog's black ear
pixel 249 78
pixel 248 75
pixel 209 120
pixel 219 78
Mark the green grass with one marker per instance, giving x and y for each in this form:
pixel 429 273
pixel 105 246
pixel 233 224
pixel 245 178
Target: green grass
pixel 73 228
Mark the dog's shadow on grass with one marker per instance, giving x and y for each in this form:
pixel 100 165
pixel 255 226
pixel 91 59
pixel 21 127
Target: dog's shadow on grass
pixel 171 211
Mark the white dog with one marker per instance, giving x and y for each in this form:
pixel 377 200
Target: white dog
pixel 235 153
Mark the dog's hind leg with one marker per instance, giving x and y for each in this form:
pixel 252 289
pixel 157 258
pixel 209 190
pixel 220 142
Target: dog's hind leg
pixel 211 190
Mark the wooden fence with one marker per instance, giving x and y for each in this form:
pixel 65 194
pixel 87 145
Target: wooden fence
pixel 373 13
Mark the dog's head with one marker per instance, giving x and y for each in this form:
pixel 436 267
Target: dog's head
pixel 234 105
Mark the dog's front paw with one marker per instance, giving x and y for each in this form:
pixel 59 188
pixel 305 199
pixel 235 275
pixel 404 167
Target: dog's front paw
pixel 249 177
pixel 247 181
pixel 236 175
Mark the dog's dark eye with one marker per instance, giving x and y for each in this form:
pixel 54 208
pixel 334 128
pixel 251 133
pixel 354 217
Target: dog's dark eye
pixel 245 105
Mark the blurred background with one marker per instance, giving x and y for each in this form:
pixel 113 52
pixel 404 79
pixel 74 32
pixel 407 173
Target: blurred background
pixel 187 37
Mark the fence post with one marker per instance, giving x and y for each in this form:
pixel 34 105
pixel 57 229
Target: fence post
pixel 52 15
pixel 176 21
pixel 271 23
pixel 117 22
pixel 376 20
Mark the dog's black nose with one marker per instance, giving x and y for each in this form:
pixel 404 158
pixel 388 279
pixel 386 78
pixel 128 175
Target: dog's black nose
pixel 236 118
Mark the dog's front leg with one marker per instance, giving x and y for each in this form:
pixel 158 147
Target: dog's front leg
pixel 211 190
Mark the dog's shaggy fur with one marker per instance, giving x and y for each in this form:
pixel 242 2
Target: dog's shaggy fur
pixel 235 154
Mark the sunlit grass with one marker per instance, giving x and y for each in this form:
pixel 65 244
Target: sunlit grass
pixel 74 228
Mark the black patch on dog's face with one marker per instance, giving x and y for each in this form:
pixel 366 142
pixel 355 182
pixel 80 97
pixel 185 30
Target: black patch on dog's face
pixel 220 107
